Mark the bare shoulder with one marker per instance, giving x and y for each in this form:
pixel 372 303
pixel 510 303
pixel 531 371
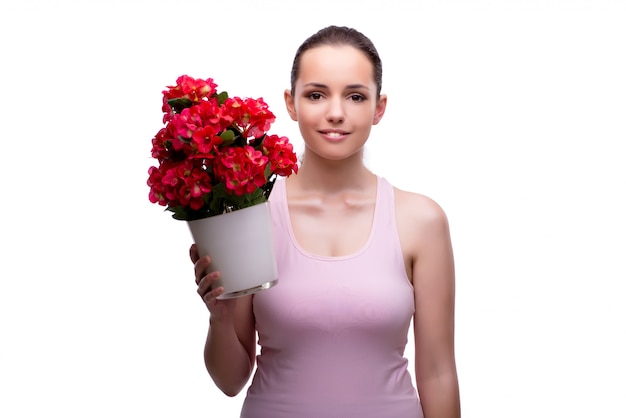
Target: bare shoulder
pixel 418 210
pixel 422 226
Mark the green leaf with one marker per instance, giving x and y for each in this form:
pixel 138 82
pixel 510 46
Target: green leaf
pixel 257 143
pixel 228 137
pixel 217 199
pixel 179 104
pixel 217 206
pixel 221 97
pixel 267 189
pixel 219 191
pixel 255 195
pixel 180 213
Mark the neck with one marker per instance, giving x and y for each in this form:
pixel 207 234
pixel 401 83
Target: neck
pixel 317 174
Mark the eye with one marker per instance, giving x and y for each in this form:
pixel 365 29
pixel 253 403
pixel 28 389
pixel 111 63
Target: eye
pixel 314 95
pixel 357 97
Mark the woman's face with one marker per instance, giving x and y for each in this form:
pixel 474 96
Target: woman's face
pixel 335 101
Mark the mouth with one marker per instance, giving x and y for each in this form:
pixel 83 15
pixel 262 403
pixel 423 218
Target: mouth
pixel 333 134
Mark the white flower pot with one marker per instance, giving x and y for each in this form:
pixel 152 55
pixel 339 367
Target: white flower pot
pixel 241 247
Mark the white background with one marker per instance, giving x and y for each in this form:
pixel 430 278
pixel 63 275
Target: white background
pixel 510 114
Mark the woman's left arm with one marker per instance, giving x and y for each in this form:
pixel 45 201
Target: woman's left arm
pixel 433 279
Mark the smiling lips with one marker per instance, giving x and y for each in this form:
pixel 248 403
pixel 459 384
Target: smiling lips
pixel 334 135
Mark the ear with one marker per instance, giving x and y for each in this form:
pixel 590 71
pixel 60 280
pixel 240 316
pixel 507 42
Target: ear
pixel 291 105
pixel 380 108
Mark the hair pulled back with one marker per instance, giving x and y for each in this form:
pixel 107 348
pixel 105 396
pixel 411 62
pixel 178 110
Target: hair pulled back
pixel 340 36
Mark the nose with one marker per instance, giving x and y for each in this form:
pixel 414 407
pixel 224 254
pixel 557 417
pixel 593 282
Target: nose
pixel 336 111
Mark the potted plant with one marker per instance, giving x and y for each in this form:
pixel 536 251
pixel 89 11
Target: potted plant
pixel 216 168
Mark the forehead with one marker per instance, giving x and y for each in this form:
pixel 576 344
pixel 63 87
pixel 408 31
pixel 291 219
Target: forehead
pixel 335 63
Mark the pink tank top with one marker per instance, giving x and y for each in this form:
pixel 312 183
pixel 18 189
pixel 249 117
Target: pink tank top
pixel 333 330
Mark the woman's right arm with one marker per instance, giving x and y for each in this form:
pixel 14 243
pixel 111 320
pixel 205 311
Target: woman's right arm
pixel 230 349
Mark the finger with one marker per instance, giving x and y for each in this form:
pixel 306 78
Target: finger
pixel 200 267
pixel 205 286
pixel 213 295
pixel 206 282
pixel 193 253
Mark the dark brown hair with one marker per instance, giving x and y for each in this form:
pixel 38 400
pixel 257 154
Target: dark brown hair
pixel 340 36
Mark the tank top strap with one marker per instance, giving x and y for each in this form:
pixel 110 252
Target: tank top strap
pixel 386 240
pixel 385 208
pixel 278 200
pixel 384 221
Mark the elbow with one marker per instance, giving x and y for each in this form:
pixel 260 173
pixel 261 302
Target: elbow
pixel 230 390
pixel 231 393
pixel 231 384
pixel 230 375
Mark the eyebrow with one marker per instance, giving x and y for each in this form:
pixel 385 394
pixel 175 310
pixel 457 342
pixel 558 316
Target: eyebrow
pixel 348 87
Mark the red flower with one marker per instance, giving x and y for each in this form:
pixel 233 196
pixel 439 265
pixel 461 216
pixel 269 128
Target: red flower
pixel 283 160
pixel 182 184
pixel 214 152
pixel 253 117
pixel 242 169
pixel 189 88
pixel 206 139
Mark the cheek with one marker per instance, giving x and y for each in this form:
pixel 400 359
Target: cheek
pixel 365 116
pixel 308 114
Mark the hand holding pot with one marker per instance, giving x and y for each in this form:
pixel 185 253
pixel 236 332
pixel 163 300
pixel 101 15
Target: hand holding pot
pixel 205 282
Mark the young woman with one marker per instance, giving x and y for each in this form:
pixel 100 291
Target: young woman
pixel 357 259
